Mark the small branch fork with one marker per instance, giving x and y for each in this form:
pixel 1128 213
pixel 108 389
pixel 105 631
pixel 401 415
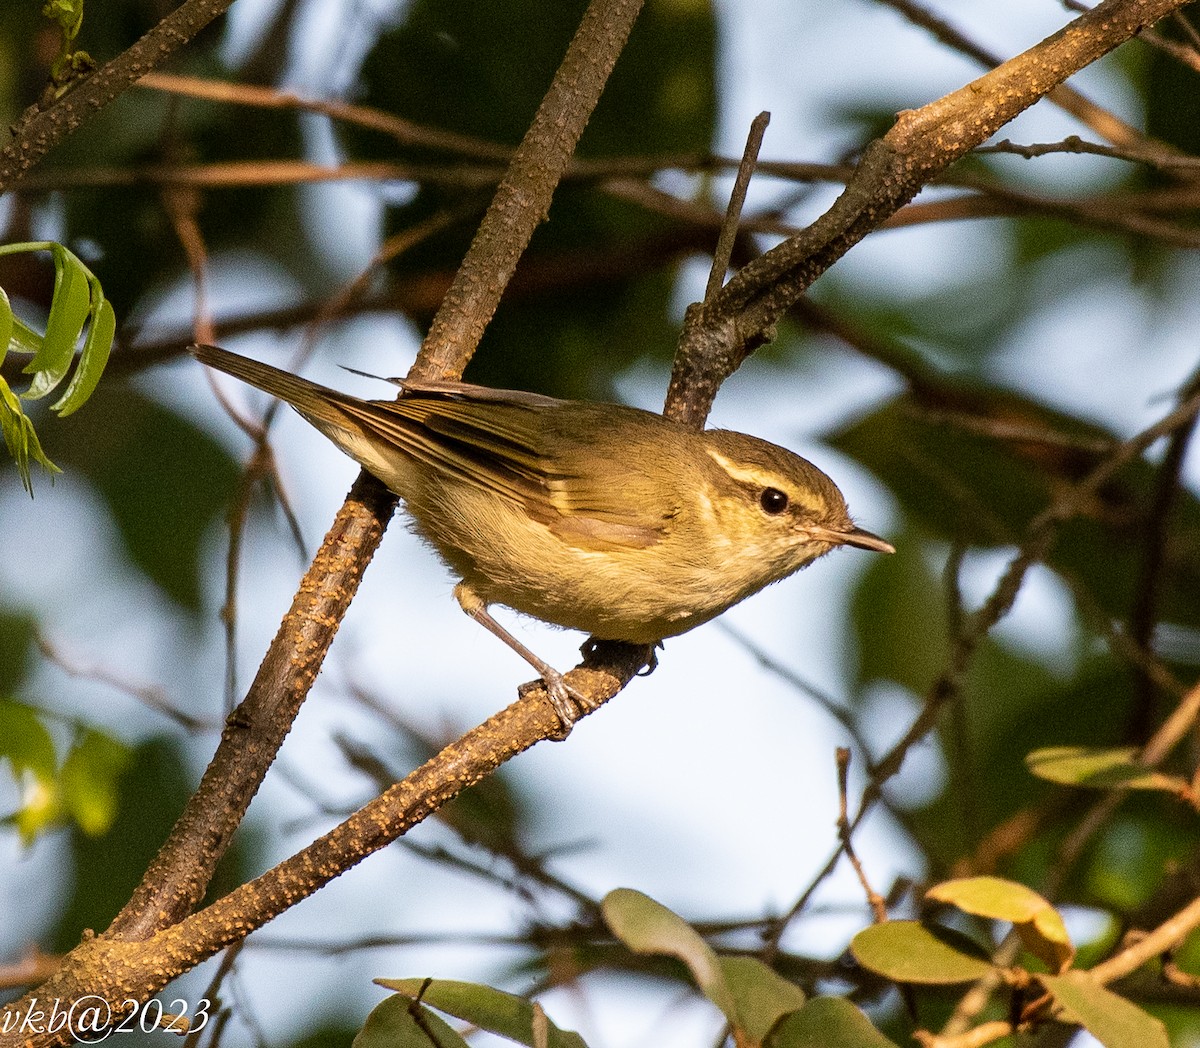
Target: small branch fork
pixel 718 335
pixel 41 128
pixel 876 901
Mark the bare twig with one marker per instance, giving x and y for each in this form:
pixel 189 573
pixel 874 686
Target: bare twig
pixel 1075 144
pixel 845 833
pixel 737 198
pixel 153 940
pixel 42 128
pixel 523 197
pixel 150 696
pixel 405 132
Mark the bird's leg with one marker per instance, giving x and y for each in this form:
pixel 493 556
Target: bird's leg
pixel 565 700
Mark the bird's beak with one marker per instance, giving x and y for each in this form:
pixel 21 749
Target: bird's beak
pixel 859 537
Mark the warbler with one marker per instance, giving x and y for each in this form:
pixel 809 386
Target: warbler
pixel 596 517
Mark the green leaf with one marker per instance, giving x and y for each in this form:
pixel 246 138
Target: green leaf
pixel 164 480
pixel 646 926
pixel 490 1009
pixel 399 1023
pixel 1111 1019
pixel 96 349
pixel 69 310
pixel 25 741
pixel 825 1022
pixel 761 996
pixel 67 13
pixel 20 438
pixel 90 778
pixel 27 745
pixel 910 952
pixel 1039 924
pixel 993 897
pixel 24 338
pixel 1099 768
pixel 6 324
pixel 77 296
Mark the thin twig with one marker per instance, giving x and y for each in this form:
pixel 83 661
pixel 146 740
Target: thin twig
pixel 1039 537
pixel 41 128
pixel 150 696
pixel 837 710
pixel 405 132
pixel 522 199
pixel 737 198
pixel 845 834
pixel 1076 145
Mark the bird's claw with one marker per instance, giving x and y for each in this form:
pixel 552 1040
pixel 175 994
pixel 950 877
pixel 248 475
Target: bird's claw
pixel 569 703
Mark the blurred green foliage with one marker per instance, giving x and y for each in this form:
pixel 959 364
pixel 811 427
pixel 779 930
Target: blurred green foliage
pixel 597 297
pixel 164 480
pixel 600 298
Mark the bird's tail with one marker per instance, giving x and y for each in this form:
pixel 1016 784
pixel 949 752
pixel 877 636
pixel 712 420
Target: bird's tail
pixel 317 403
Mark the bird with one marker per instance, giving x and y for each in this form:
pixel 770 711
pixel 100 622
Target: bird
pixel 597 517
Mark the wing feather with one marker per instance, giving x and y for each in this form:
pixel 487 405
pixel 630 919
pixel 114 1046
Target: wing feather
pixel 516 448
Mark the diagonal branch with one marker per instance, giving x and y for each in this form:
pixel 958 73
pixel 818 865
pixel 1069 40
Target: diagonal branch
pixel 41 128
pixel 180 874
pixel 523 198
pixel 718 335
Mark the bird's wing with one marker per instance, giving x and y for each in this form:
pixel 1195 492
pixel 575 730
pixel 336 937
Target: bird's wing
pixel 511 444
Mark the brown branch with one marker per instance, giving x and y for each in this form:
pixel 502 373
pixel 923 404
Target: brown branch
pixel 405 132
pixel 1128 213
pixel 118 968
pixel 238 174
pixel 1125 213
pixel 737 199
pixel 845 835
pixel 1103 121
pixel 40 129
pixel 153 940
pixel 1079 146
pixel 178 878
pixel 923 143
pixel 523 197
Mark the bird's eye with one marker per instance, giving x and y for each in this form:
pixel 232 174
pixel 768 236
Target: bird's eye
pixel 773 500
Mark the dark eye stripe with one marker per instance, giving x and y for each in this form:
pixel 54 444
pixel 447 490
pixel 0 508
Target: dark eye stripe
pixel 773 501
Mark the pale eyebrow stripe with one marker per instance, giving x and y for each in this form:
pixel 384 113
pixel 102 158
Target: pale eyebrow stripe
pixel 745 474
